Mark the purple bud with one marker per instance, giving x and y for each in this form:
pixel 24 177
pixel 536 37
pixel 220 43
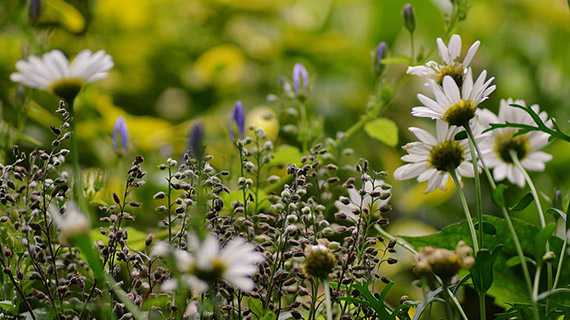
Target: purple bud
pixel 195 140
pixel 381 52
pixel 34 10
pixel 239 119
pixel 300 78
pixel 409 17
pixel 120 132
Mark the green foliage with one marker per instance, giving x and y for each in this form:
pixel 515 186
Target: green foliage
pixel 508 285
pixel 482 271
pixel 286 154
pixel 384 130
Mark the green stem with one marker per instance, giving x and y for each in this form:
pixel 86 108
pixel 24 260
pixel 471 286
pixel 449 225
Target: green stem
pixel 478 209
pixel 466 210
pixel 457 304
pixel 304 126
pixel 536 283
pixel 542 219
pixel 478 198
pixel 532 189
pixel 413 47
pixel 327 298
pixel 507 217
pixel 169 207
pixel 560 261
pixel 77 184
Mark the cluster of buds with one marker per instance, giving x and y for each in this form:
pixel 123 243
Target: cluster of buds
pixel 443 262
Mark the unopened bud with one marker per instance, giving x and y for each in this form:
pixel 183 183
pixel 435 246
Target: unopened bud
pixel 409 17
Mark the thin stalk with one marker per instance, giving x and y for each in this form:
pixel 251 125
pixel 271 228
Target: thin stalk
pixel 242 173
pixel 457 304
pixel 304 126
pixel 507 217
pixel 327 298
pixel 77 184
pixel 478 210
pixel 169 207
pixel 413 47
pixel 536 283
pixel 542 218
pixel 560 261
pixel 532 188
pixel 478 198
pixel 466 210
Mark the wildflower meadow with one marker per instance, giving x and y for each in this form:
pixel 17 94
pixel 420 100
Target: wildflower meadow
pixel 284 159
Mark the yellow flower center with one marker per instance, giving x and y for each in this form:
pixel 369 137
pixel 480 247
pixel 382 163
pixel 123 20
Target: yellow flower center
pixel 67 88
pixel 453 70
pixel 447 155
pixel 460 113
pixel 218 267
pixel 507 142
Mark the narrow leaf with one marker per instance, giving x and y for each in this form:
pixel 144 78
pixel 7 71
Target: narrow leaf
pixel 523 202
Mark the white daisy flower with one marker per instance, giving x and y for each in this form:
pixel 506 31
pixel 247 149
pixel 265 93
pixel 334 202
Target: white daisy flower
pixel 206 263
pixel 356 200
pixel 433 159
pixel 451 65
pixel 454 106
pixel 71 223
pixel 497 144
pixel 53 71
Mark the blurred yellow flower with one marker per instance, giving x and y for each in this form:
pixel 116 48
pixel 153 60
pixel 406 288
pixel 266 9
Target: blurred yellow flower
pixel 264 118
pixel 128 14
pixel 221 66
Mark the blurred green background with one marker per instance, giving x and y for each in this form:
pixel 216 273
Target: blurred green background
pixel 181 60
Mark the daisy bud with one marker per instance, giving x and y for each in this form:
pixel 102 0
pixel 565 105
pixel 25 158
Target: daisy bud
pixel 319 261
pixel 409 17
pixel 120 136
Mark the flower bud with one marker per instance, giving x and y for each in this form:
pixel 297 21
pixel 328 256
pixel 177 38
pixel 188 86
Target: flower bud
pixel 409 17
pixel 300 81
pixel 380 54
pixel 319 261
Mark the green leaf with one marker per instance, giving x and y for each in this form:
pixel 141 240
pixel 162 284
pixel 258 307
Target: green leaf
pixel 256 306
pixel 371 301
pixel 70 17
pixel 482 271
pixel 499 195
pixel 540 241
pixel 383 130
pixel 559 214
pixel 515 261
pixel 462 135
pixel 523 202
pixel 285 155
pixel 7 306
pixel 488 228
